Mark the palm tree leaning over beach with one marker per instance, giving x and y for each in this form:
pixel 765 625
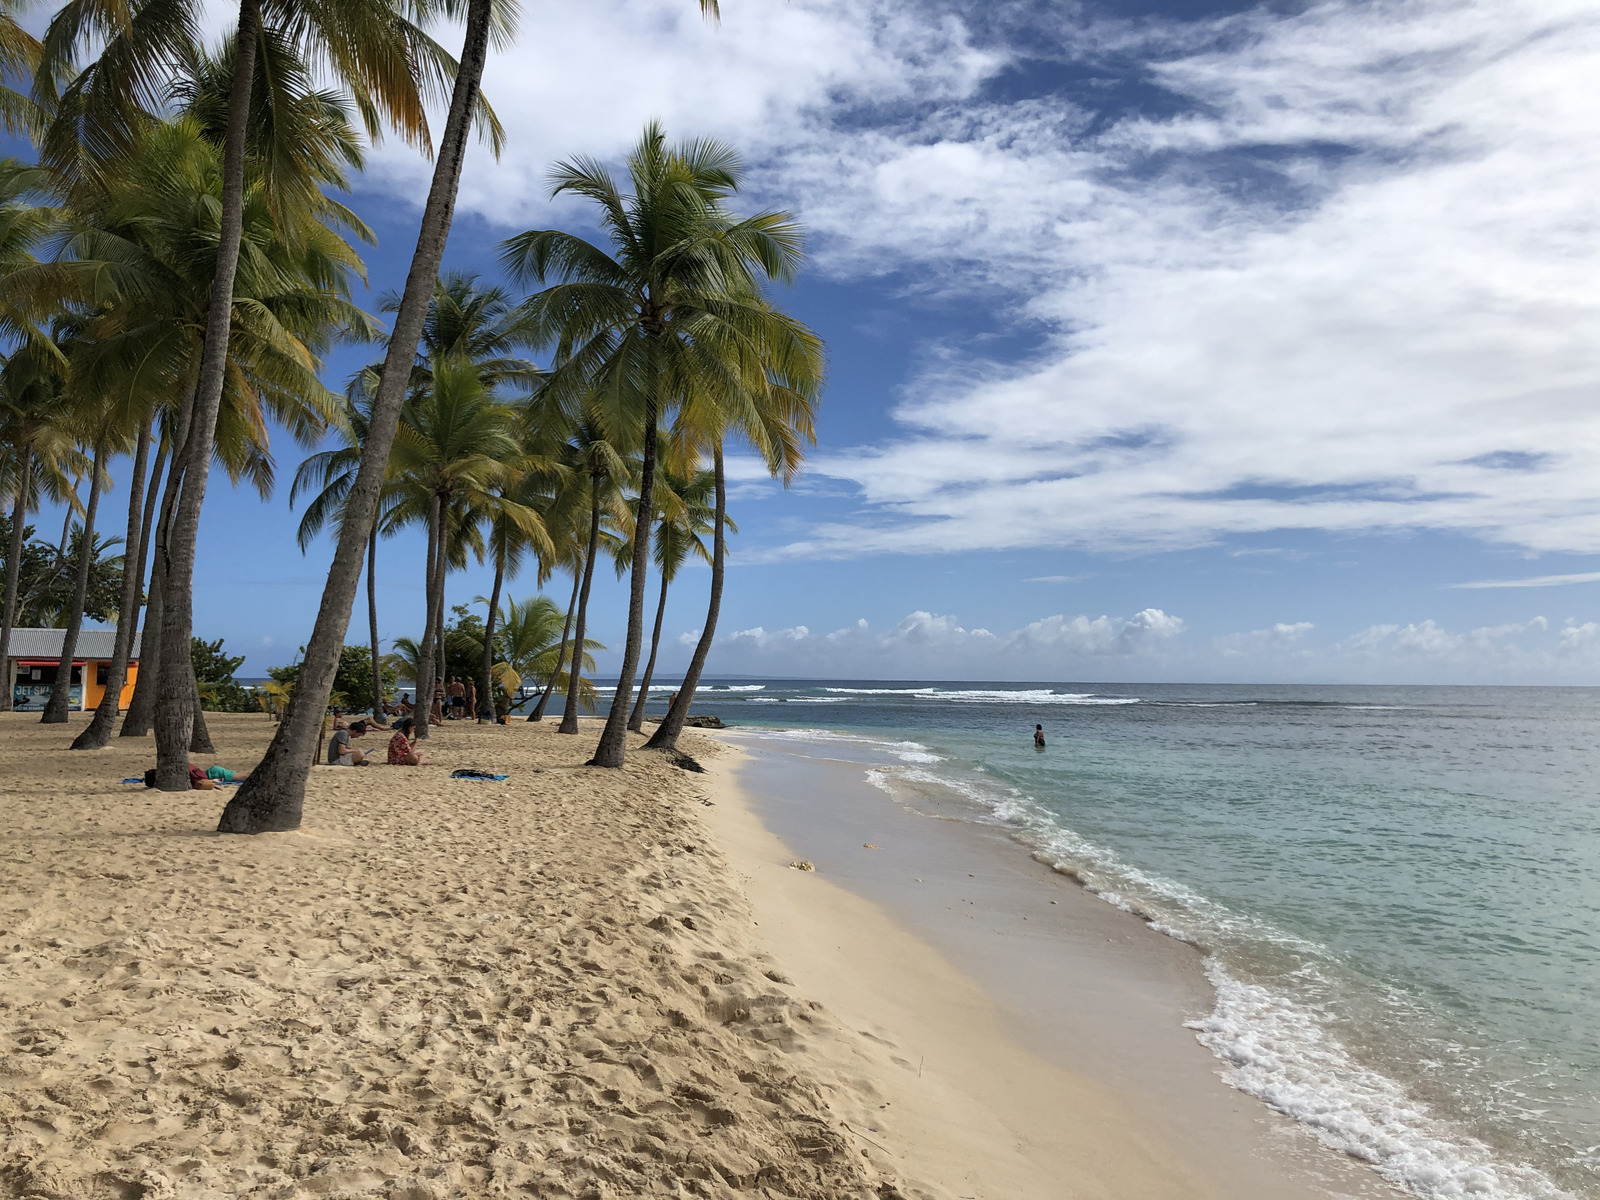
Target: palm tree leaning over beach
pixel 367 44
pixel 331 473
pixel 665 314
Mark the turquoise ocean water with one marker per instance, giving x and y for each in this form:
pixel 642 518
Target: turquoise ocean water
pixel 1397 890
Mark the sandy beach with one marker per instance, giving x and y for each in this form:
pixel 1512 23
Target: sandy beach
pixel 573 983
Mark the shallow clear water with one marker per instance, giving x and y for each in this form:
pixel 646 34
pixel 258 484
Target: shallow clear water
pixel 1398 889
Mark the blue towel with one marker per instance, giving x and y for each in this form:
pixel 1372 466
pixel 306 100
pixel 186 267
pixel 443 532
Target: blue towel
pixel 476 778
pixel 134 779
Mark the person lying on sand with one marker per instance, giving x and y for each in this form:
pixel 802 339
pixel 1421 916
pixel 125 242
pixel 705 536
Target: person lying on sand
pixel 340 752
pixel 202 780
pixel 401 751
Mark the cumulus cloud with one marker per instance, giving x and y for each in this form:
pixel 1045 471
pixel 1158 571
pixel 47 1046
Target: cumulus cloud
pixel 1280 638
pixel 1346 284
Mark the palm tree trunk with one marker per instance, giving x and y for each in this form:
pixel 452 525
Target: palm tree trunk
pixel 175 701
pixel 372 623
pixel 613 748
pixel 98 734
pixel 141 712
pixel 561 655
pixel 569 715
pixel 199 735
pixel 636 721
pixel 142 703
pixel 66 523
pixel 485 695
pixel 666 734
pixel 273 796
pixel 55 711
pixel 426 678
pixel 8 608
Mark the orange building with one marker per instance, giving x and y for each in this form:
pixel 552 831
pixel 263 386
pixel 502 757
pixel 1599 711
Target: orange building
pixel 35 657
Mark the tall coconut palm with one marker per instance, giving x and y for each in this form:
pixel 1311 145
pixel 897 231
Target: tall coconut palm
pixel 778 420
pixel 381 57
pixel 136 253
pixel 598 462
pixel 673 309
pixel 686 515
pixel 38 454
pixel 105 435
pixel 458 456
pixel 331 473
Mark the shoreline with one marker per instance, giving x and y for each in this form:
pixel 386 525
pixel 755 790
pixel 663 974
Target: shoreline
pixel 1076 985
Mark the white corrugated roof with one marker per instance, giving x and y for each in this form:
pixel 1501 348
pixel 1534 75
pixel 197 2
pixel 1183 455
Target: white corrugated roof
pixel 46 643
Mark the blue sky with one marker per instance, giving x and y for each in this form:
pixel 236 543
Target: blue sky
pixel 1167 341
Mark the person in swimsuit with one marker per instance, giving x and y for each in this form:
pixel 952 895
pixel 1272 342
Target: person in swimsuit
pixel 1038 737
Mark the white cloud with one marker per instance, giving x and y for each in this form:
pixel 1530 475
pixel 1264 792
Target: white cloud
pixel 1263 643
pixel 1348 286
pixel 1535 582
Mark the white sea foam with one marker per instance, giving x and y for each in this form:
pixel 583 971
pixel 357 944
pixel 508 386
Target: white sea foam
pixel 1031 696
pixel 923 691
pixel 1282 1053
pixel 735 687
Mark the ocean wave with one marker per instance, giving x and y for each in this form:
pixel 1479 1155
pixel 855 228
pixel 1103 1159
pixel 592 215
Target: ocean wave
pixel 735 687
pixel 923 691
pixel 906 751
pixel 1033 696
pixel 1282 1053
pixel 795 700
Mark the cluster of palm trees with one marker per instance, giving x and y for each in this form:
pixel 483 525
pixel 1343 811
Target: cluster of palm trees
pixel 177 261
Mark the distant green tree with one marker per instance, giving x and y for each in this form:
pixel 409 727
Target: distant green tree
pixel 44 588
pixel 352 682
pixel 213 673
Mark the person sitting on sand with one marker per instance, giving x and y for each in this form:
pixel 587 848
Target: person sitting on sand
pixel 1038 737
pixel 401 751
pixel 404 707
pixel 340 752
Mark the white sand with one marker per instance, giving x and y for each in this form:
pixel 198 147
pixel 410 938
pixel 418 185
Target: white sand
pixel 554 986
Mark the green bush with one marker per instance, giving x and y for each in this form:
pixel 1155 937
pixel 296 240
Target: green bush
pixel 213 673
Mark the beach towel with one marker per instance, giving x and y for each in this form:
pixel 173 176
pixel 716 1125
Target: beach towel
pixel 474 774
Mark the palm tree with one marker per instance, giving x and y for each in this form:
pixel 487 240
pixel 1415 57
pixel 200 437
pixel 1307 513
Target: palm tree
pixel 457 457
pixel 685 515
pixel 777 418
pixel 526 646
pixel 19 56
pixel 595 460
pixel 105 440
pixel 38 453
pixel 331 473
pixel 135 255
pixel 674 309
pixel 384 60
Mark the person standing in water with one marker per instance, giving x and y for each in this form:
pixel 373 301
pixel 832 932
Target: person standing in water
pixel 1038 737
